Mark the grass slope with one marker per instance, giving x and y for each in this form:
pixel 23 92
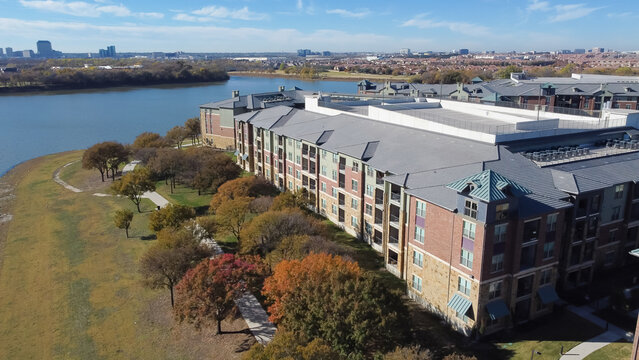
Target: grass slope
pixel 69 285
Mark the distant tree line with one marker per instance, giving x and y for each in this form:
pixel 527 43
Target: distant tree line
pixel 73 74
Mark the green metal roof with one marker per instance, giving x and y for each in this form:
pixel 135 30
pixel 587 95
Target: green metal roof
pixel 497 309
pixel 547 294
pixel 488 186
pixel 459 304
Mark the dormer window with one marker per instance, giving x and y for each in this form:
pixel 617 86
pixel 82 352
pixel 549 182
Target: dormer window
pixel 470 209
pixel 501 211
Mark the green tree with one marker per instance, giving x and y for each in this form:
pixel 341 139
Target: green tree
pixel 96 158
pixel 170 216
pixel 207 293
pixel 232 215
pixel 123 219
pixel 504 73
pixel 413 352
pixel 116 154
pixel 194 129
pixel 134 184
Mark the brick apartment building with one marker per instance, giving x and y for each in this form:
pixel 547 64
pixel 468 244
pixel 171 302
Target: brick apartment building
pixel 486 212
pixel 579 92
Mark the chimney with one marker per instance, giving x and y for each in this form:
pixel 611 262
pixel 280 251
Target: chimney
pixel 235 93
pixel 281 88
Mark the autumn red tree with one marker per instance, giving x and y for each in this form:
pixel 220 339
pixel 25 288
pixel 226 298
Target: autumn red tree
pixel 208 292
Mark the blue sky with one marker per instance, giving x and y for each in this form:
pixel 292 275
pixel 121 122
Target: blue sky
pixel 286 25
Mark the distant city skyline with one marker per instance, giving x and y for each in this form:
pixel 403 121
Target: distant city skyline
pixel 288 25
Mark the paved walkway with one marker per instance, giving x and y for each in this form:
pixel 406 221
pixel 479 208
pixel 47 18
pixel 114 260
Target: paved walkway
pixel 56 178
pixel 589 346
pixel 157 199
pixel 256 318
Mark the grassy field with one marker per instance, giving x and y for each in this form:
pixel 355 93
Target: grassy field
pixel 614 351
pixel 69 285
pixel 184 195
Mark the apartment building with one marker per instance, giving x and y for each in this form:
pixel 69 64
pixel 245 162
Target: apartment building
pixel 487 213
pixel 578 92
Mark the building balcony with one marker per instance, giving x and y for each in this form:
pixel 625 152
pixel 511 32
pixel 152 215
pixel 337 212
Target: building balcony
pixel 379 181
pixel 395 197
pixel 342 166
pixel 392 240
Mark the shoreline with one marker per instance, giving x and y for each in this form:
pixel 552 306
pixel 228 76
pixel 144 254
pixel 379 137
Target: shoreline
pixel 372 77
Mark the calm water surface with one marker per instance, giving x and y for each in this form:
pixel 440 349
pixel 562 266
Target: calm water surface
pixel 37 124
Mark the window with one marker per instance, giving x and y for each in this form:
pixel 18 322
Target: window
pixel 298 175
pixel 497 263
pixel 531 231
pixel 500 233
pixel 334 175
pixel 324 170
pixel 369 209
pixel 354 203
pixel 353 221
pixel 546 277
pixel 323 186
pixel 334 209
pixel 290 155
pixel 528 256
pixel 323 153
pixel 549 250
pixel 551 222
pixel 298 159
pixel 298 144
pixel 290 169
pixel 466 258
pixel 323 203
pixel 289 142
pixel 335 158
pixel 494 290
pixel 334 192
pixel 463 285
pixel 420 209
pixel 418 258
pixel 525 285
pixel 354 185
pixel 268 172
pixel 470 209
pixel 618 191
pixel 369 171
pixel 609 258
pixel 419 234
pixel 469 230
pixel 417 283
pixel 268 158
pixel 355 166
pixel 368 227
pixel 501 211
pixel 594 204
pixel 616 210
pixel 612 236
pixel 290 184
pixel 369 190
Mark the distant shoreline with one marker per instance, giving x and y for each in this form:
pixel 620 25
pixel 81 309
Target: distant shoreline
pixel 319 77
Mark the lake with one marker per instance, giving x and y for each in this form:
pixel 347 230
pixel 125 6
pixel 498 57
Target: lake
pixel 36 124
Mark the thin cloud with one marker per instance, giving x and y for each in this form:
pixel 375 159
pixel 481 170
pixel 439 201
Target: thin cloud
pixel 210 13
pixel 421 22
pixel 571 12
pixel 85 9
pixel 348 13
pixel 537 5
pixel 300 5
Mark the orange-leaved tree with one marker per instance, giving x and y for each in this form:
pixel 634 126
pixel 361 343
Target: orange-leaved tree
pixel 207 293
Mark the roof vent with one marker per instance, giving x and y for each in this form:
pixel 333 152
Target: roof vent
pixel 235 93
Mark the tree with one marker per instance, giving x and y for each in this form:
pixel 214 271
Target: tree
pixel 149 140
pixel 504 73
pixel 176 135
pixel 164 266
pixel 96 158
pixel 116 154
pixel 287 345
pixel 208 169
pixel 327 297
pixel 123 219
pixel 167 163
pixel 288 200
pixel 134 184
pixel 266 230
pixel 251 186
pixel 170 216
pixel 232 215
pixel 194 129
pixel 413 352
pixel 458 356
pixel 208 292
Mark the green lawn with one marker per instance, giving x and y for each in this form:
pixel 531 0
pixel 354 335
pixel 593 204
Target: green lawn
pixel 547 336
pixel 70 287
pixel 184 195
pixel 614 351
